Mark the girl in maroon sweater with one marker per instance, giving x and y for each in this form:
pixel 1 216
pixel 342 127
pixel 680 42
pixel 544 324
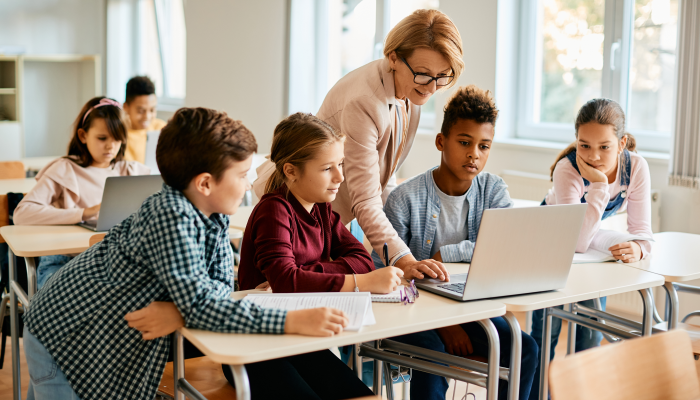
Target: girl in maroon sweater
pixel 293 239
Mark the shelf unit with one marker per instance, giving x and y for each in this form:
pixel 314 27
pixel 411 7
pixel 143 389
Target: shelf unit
pixel 40 95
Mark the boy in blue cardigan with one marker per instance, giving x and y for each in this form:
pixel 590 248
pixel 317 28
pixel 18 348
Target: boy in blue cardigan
pixel 437 214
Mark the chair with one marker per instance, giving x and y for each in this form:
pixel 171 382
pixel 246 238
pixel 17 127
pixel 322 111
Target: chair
pixel 96 238
pixel 12 170
pixel 648 368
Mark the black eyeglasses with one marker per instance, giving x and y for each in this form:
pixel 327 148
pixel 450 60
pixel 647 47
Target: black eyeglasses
pixel 425 79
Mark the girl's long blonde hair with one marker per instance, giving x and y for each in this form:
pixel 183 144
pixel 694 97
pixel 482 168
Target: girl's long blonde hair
pixel 297 140
pixel 603 112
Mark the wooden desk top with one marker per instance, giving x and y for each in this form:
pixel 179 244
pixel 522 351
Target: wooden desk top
pixel 239 220
pixel 46 240
pixel 37 163
pixel 17 185
pixel 673 256
pixel 428 312
pixel 586 281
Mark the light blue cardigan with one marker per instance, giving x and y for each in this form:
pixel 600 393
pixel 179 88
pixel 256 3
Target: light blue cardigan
pixel 413 208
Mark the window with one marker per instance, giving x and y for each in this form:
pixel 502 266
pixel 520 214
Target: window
pixel 147 37
pixel 573 51
pixel 330 38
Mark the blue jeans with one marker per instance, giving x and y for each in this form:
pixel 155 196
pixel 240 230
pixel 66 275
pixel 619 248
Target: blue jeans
pixel 429 386
pixel 585 338
pixel 49 265
pixel 46 380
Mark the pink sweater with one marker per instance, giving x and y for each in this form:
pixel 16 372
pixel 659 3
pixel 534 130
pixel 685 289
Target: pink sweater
pixel 64 189
pixel 569 188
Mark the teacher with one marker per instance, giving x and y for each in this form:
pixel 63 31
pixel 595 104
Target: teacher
pixel 377 107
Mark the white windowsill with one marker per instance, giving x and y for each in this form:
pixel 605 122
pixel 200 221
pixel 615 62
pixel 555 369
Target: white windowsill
pixel 556 147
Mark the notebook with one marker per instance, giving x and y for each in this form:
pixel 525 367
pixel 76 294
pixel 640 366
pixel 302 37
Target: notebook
pixel 356 305
pixel 393 297
pixel 602 241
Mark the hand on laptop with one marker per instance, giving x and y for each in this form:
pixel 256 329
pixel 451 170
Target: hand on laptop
pixel 158 319
pixel 322 321
pixel 91 212
pixel 456 341
pixel 429 268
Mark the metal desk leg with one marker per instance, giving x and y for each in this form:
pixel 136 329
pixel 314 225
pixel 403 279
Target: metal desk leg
pixel 30 262
pixel 240 378
pixel 648 316
pixel 544 353
pixel 389 381
pixel 377 381
pixel 14 330
pixel 494 359
pixel 178 365
pixel 571 341
pixel 516 352
pixel 673 309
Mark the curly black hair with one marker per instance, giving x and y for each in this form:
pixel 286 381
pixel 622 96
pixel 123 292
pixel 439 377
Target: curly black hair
pixel 469 102
pixel 139 86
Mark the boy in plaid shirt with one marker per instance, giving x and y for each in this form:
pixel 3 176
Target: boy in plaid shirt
pixel 167 265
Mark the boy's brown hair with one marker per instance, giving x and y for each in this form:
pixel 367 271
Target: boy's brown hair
pixel 469 102
pixel 116 122
pixel 198 140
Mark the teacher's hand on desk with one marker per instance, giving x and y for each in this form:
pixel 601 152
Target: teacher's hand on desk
pixel 413 269
pixel 322 321
pixel 627 252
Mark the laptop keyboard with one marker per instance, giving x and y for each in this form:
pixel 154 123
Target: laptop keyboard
pixel 453 287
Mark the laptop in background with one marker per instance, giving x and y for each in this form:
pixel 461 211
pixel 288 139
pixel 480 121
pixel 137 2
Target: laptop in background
pixel 122 196
pixel 151 145
pixel 518 251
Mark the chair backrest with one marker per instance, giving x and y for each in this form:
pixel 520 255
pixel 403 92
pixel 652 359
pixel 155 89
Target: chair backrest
pixel 12 170
pixel 649 368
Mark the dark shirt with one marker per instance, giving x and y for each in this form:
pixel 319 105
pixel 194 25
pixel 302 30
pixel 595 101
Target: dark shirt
pixel 292 248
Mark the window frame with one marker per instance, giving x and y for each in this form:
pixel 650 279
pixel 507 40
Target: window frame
pixel 319 64
pixel 617 45
pixel 166 101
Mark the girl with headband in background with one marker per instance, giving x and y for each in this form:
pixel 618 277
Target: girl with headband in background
pixel 69 189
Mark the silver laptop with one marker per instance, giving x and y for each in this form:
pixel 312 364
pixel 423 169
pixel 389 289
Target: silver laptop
pixel 150 156
pixel 518 251
pixel 123 195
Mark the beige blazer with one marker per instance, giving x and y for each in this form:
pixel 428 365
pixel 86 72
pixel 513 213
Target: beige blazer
pixel 361 105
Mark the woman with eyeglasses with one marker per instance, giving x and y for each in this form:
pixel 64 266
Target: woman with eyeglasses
pixel 377 108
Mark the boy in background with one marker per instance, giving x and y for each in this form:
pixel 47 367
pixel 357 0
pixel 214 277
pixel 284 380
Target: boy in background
pixel 140 105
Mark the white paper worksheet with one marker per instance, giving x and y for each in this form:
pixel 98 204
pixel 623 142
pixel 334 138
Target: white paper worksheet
pixel 357 306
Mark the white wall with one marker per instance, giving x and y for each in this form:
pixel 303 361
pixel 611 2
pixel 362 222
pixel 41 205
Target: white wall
pixel 52 92
pixel 478 23
pixel 236 61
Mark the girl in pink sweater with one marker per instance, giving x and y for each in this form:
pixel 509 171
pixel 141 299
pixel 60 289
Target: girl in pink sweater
pixel 601 169
pixel 69 189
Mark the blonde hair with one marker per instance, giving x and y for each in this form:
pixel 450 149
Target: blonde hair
pixel 297 140
pixel 603 112
pixel 430 29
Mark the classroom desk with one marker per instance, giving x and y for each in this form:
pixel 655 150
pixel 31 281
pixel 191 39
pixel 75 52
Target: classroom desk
pixel 673 257
pixel 35 164
pixel 30 242
pixel 428 312
pixel 239 220
pixel 586 282
pixel 17 185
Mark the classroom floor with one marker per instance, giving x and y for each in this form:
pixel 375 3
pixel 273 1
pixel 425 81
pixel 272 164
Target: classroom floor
pixel 461 390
